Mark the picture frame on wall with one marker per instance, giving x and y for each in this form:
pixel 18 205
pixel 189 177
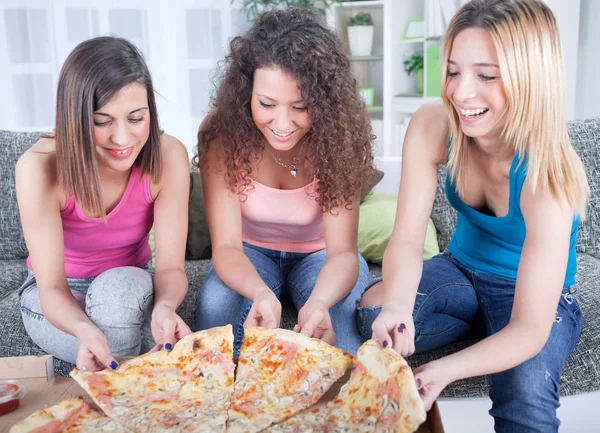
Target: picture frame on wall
pixel 367 94
pixel 415 29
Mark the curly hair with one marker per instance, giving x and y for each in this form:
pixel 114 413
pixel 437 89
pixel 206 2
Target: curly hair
pixel 339 139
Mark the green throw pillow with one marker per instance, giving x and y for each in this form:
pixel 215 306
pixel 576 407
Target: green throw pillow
pixel 377 214
pixel 151 242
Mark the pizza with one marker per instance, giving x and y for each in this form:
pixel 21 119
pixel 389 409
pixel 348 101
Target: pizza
pixel 185 390
pixel 380 396
pixel 280 373
pixel 70 416
pixel 280 376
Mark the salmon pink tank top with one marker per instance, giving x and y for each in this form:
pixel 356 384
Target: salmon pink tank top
pixel 92 247
pixel 282 220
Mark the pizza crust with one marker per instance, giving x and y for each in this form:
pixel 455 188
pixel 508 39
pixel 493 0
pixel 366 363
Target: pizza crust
pixel 70 416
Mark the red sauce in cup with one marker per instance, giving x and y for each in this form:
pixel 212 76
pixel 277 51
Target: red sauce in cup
pixel 10 393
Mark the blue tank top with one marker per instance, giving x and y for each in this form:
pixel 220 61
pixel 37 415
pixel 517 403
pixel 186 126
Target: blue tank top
pixel 493 245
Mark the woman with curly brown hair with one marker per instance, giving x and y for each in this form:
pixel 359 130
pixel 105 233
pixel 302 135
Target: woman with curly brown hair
pixel 282 154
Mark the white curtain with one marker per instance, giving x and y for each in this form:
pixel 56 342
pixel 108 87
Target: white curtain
pixel 182 41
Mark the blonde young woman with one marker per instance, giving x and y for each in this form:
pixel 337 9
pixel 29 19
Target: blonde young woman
pixel 519 190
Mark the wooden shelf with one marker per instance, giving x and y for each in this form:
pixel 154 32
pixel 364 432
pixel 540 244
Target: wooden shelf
pixel 360 4
pixel 366 58
pixel 412 41
pixel 375 109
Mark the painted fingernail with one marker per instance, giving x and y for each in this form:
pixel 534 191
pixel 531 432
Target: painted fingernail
pixel 385 343
pixel 114 365
pixel 418 383
pixel 168 346
pixel 401 328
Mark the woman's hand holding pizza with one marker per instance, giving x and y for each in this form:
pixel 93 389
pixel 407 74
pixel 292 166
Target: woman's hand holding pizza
pixel 265 311
pixel 167 327
pixel 314 321
pixel 93 353
pixel 395 327
pixel 431 379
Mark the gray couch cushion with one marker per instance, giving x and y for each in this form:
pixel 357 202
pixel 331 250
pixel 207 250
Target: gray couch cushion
pixel 585 136
pixel 12 244
pixel 12 274
pixel 442 214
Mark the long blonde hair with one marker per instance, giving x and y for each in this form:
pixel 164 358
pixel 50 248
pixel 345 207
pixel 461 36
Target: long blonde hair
pixel 526 38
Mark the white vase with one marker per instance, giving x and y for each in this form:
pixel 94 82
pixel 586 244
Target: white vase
pixel 360 39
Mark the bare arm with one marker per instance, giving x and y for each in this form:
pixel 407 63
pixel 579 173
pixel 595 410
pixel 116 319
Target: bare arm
pixel 38 197
pixel 170 229
pixel 224 217
pixel 425 147
pixel 340 272
pixel 231 264
pixel 540 279
pixel 338 275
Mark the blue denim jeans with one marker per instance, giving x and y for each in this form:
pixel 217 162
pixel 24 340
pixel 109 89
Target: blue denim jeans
pixel 454 303
pixel 118 301
pixel 218 305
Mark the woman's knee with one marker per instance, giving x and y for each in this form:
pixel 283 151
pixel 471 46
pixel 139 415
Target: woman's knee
pixel 373 295
pixel 120 295
pixel 123 283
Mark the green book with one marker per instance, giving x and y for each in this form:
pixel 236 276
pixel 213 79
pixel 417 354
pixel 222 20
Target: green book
pixel 433 70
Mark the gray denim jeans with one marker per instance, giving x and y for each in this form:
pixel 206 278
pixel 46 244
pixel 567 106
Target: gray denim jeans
pixel 119 301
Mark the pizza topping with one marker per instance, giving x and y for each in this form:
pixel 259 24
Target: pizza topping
pixel 280 374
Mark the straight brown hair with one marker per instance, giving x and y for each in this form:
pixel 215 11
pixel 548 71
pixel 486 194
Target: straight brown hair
pixel 92 74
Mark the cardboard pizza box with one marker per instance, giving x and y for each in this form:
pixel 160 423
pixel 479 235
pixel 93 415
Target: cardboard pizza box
pixel 43 389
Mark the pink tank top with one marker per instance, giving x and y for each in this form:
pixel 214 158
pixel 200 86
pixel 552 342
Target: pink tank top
pixel 92 247
pixel 282 220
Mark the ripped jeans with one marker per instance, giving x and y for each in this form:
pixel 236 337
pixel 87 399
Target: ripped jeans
pixel 454 303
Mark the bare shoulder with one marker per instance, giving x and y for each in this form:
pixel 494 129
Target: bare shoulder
pixel 429 130
pixel 431 120
pixel 539 204
pixel 38 164
pixel 173 153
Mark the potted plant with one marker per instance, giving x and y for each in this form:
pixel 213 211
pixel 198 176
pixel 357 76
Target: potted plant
pixel 254 8
pixel 415 64
pixel 360 34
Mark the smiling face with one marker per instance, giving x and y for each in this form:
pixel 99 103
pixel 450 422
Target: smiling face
pixel 278 109
pixel 121 128
pixel 474 85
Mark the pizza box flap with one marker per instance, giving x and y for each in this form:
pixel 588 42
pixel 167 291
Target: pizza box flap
pixel 37 373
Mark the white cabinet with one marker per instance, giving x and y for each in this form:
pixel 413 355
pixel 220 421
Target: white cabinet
pixel 396 97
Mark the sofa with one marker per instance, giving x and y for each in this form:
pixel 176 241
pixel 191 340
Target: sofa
pixel 581 374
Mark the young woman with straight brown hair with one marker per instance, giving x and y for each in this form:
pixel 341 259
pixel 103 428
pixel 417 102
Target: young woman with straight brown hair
pixel 88 196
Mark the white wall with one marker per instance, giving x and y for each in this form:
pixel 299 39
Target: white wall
pixel 588 84
pixel 567 16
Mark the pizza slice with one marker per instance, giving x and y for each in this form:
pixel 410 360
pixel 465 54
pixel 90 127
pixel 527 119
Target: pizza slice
pixel 185 390
pixel 380 396
pixel 280 373
pixel 70 416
